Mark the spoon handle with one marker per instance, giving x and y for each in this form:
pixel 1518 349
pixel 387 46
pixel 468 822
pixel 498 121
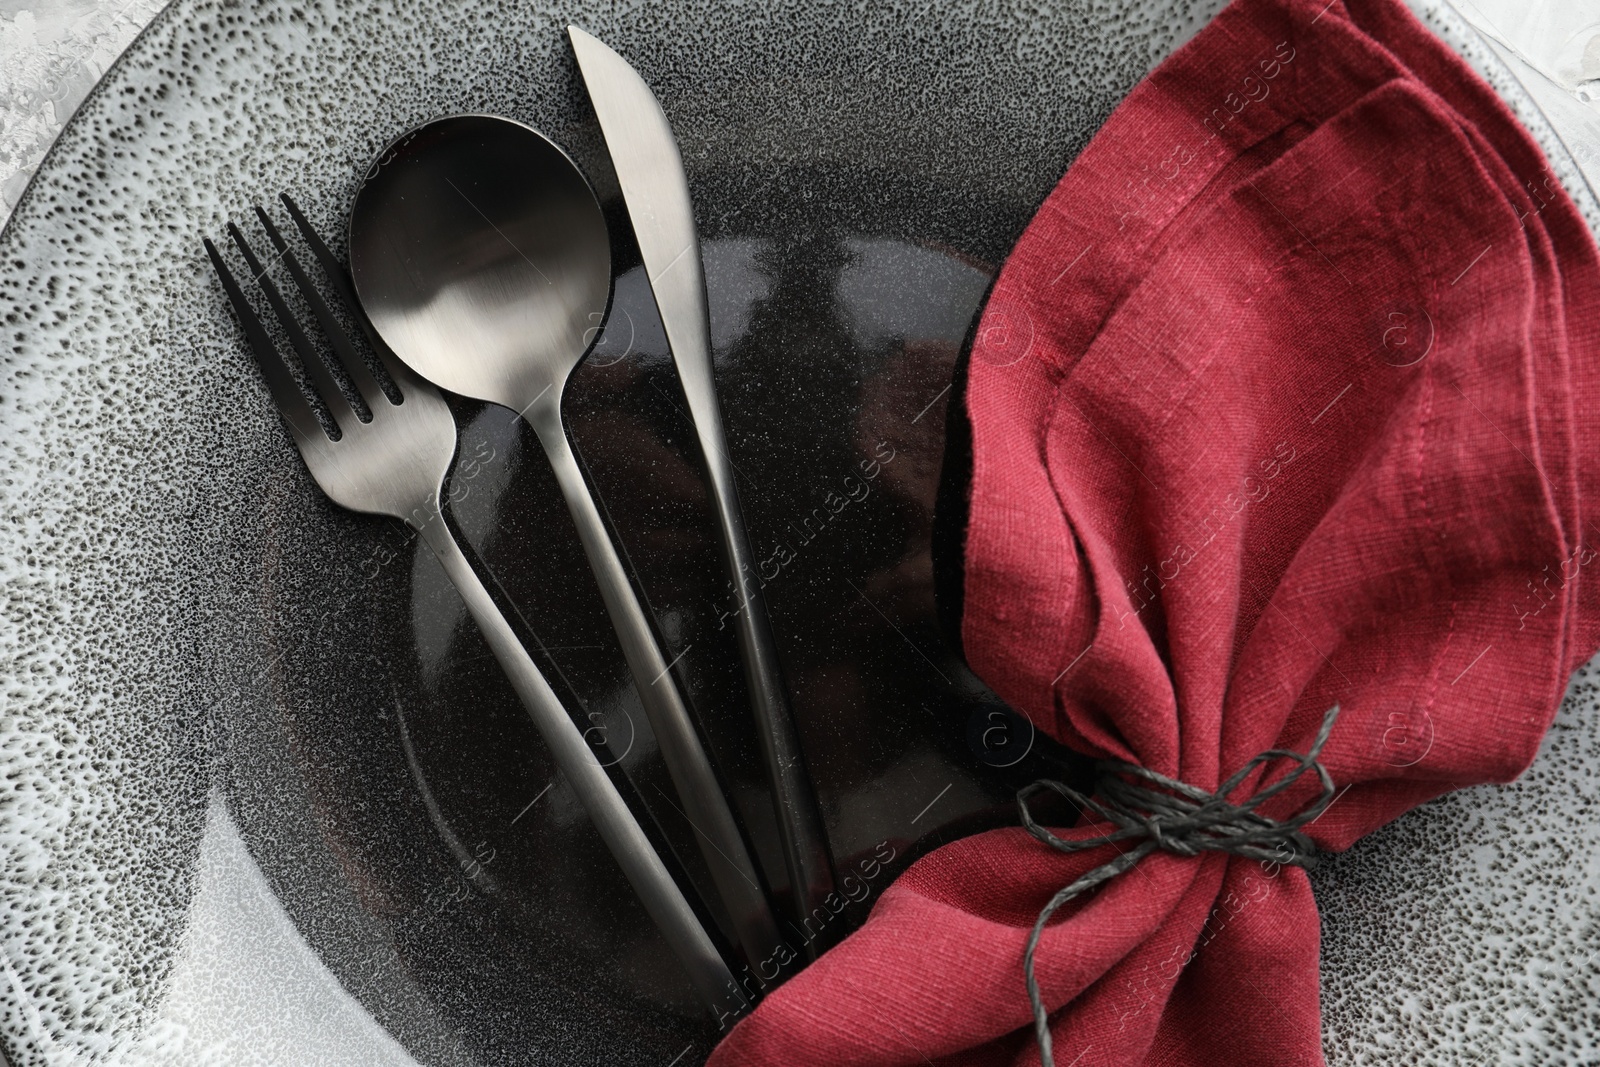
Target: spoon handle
pixel 705 805
pixel 619 829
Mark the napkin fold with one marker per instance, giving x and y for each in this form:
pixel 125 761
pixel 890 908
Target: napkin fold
pixel 1285 399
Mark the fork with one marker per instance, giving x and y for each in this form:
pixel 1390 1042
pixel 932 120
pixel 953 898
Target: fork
pixel 394 462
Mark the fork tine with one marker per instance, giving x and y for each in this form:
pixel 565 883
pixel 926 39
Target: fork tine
pixel 339 277
pixel 280 383
pixel 326 386
pixel 353 364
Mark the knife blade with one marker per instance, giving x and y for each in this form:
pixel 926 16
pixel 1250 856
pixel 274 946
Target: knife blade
pixel 655 188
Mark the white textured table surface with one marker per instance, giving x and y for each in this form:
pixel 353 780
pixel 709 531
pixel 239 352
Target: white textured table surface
pixel 51 54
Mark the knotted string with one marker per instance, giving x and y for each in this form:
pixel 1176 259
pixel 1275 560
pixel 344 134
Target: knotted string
pixel 1165 813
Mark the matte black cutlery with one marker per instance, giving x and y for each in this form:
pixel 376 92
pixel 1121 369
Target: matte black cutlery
pixel 650 170
pixel 394 462
pixel 480 263
pixel 480 254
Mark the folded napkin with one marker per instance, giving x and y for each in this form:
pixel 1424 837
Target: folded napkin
pixel 1285 400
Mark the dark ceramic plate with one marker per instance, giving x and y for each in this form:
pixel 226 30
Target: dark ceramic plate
pixel 269 800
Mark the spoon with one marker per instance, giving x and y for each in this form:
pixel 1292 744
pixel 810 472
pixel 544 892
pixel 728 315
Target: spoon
pixel 481 255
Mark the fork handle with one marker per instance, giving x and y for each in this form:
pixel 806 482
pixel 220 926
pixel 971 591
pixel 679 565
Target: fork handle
pixel 661 896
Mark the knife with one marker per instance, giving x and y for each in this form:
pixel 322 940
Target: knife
pixel 655 189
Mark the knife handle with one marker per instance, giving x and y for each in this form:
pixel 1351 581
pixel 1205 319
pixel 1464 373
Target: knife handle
pixel 801 832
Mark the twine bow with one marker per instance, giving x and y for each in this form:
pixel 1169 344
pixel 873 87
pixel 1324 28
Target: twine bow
pixel 1170 815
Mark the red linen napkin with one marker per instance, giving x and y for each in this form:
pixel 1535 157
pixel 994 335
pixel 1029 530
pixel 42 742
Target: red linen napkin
pixel 1285 399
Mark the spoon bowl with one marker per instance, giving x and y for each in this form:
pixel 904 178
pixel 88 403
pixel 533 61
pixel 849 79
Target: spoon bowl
pixel 480 253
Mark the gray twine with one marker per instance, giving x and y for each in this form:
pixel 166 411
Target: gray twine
pixel 1164 813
